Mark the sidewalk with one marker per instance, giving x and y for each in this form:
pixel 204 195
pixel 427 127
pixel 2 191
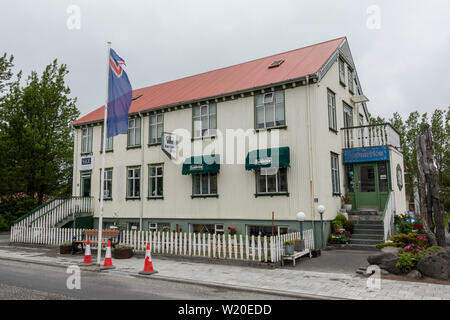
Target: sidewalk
pixel 288 281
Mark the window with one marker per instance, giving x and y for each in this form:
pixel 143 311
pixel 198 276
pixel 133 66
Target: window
pixel 133 183
pixel 155 182
pixel 204 184
pixel 350 80
pixel 161 227
pixel 134 132
pixel 86 140
pixel 207 228
pixel 270 110
pixel 271 180
pixel 350 178
pixel 383 177
pixel 342 72
pixel 133 226
pixel 335 174
pixel 332 123
pixel 109 142
pixel 156 128
pixel 348 116
pixel 255 230
pixel 107 191
pixel 204 120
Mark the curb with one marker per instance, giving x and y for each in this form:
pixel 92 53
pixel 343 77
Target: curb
pixel 192 282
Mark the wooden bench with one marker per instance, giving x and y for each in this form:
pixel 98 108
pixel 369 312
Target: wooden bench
pixel 111 235
pixel 296 255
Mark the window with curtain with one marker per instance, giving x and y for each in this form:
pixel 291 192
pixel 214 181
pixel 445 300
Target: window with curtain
pixel 269 110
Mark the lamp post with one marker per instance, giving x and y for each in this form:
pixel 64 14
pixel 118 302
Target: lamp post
pixel 321 209
pixel 301 216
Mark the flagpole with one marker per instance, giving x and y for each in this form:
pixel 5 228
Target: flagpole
pixel 102 188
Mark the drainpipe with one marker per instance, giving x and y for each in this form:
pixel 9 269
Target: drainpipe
pixel 141 214
pixel 310 153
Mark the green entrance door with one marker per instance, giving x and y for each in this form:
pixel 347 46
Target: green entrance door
pixel 368 184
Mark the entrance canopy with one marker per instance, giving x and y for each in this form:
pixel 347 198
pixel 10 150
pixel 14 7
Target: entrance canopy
pixel 275 158
pixel 201 164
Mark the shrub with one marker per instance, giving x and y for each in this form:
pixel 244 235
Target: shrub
pixel 337 223
pixel 426 252
pixel 405 239
pixel 349 226
pixel 388 244
pixel 341 218
pixel 289 243
pixel 406 262
pixel 13 208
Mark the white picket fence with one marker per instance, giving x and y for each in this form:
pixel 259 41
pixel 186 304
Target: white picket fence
pixel 238 247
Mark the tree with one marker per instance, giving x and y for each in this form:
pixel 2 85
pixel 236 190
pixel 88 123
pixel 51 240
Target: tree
pixel 36 126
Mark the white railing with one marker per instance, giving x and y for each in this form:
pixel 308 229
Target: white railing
pixel 51 213
pixel 370 136
pixel 388 216
pixel 250 248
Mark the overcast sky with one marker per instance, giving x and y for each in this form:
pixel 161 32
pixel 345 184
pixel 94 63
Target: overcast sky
pixel 403 65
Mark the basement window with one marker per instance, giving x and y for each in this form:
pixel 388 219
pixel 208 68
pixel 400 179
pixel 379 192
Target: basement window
pixel 276 64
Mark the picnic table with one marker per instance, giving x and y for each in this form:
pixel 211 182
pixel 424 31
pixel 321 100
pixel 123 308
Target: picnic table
pixel 296 255
pixel 112 235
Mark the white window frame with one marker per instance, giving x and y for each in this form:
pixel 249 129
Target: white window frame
pixel 153 228
pixel 109 142
pixel 86 140
pixel 204 132
pixel 331 97
pixel 159 123
pixel 272 102
pixel 342 71
pixel 201 186
pixel 133 181
pixel 105 181
pixel 134 125
pixel 277 182
pixel 335 174
pixel 155 178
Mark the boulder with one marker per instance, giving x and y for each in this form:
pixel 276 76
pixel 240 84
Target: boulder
pixel 436 265
pixel 386 261
pixel 415 275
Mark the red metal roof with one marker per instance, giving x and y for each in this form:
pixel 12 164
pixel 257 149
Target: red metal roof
pixel 252 74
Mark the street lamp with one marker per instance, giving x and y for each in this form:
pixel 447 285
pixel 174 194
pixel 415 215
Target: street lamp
pixel 321 209
pixel 301 216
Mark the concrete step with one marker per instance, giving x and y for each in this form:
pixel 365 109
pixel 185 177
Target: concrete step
pixel 362 247
pixel 369 222
pixel 364 218
pixel 365 241
pixel 368 231
pixel 362 236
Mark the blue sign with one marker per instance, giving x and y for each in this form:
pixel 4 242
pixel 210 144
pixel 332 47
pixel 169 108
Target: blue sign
pixel 371 154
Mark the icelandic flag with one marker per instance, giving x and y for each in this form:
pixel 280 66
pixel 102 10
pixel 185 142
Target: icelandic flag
pixel 119 96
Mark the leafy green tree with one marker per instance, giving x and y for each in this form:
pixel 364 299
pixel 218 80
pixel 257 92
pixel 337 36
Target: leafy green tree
pixel 36 126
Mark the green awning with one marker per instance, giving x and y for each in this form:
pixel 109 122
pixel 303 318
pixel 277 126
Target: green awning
pixel 276 158
pixel 201 164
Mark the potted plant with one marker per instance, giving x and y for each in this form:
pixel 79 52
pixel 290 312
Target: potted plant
pixel 337 226
pixel 315 253
pixel 122 251
pixel 299 245
pixel 65 248
pixel 289 248
pixel 347 202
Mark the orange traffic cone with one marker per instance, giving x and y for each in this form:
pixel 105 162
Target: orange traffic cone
pixel 87 254
pixel 108 261
pixel 148 265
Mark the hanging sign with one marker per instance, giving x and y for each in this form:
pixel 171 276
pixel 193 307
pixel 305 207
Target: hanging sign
pixel 372 154
pixel 169 145
pixel 86 163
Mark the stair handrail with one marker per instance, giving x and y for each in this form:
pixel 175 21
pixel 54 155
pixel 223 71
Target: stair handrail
pixel 20 219
pixel 388 214
pixel 51 210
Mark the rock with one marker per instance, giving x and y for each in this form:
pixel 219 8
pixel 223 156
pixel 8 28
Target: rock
pixel 416 275
pixel 436 265
pixel 384 272
pixel 386 261
pixel 392 250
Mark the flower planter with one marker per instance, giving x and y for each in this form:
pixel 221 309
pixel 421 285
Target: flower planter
pixel 289 250
pixel 299 245
pixel 315 253
pixel 348 207
pixel 122 253
pixel 65 249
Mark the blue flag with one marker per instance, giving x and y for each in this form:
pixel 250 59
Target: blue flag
pixel 119 96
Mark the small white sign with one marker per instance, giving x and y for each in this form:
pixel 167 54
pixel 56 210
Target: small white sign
pixel 169 145
pixel 87 163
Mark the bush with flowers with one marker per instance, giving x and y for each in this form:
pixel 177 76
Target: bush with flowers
pixel 231 231
pixel 339 238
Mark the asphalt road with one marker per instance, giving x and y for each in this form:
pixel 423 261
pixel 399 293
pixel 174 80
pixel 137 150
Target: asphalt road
pixel 27 281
